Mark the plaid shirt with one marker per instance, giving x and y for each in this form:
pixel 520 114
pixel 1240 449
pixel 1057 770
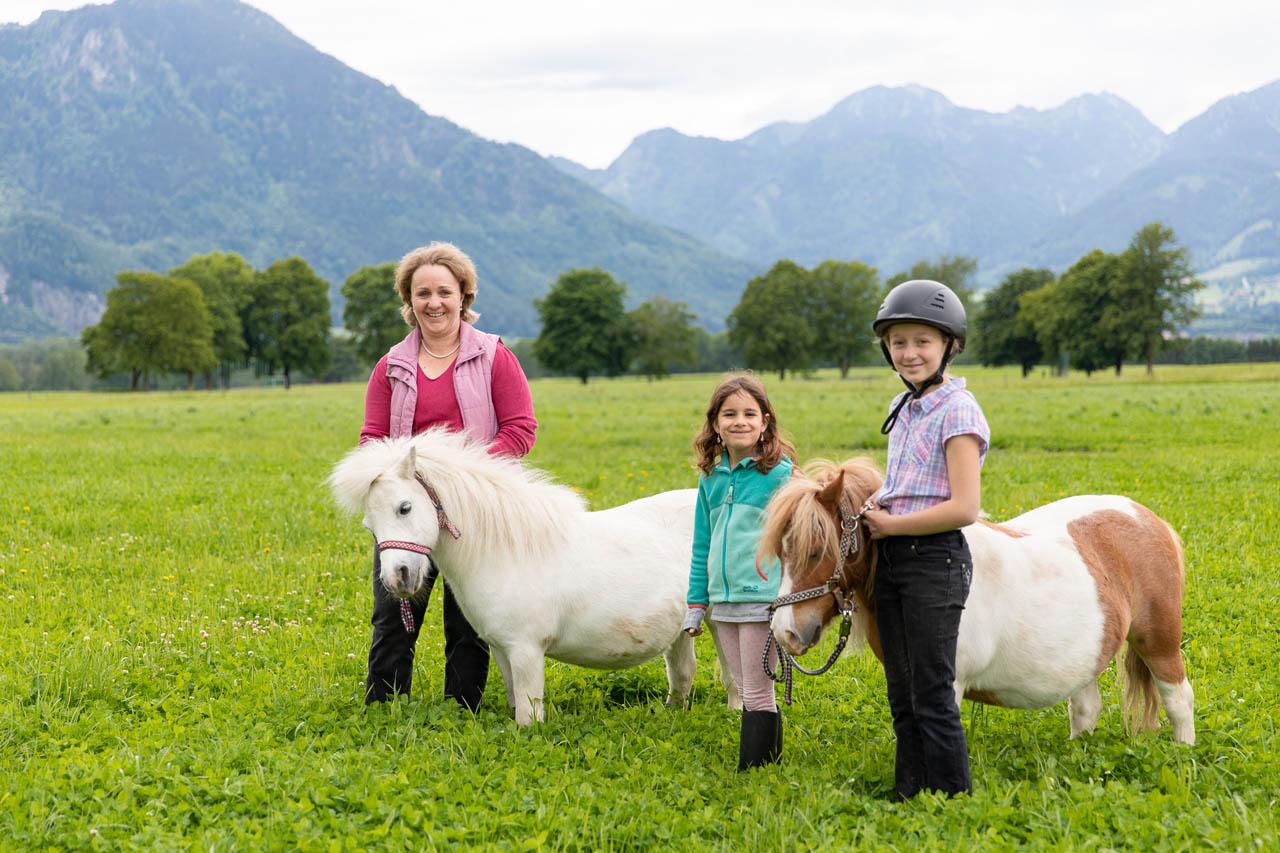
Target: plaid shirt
pixel 916 477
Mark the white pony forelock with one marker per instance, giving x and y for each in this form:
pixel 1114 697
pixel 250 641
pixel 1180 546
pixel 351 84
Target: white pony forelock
pixel 505 505
pixel 352 478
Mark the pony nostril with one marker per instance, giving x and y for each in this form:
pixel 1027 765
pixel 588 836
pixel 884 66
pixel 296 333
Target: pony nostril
pixel 812 638
pixel 403 572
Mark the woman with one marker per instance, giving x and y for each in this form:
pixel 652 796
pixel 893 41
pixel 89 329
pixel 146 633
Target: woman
pixel 444 373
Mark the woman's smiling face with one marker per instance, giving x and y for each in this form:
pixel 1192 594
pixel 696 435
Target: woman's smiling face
pixel 437 301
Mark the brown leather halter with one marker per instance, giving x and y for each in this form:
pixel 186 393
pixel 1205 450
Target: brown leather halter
pixel 836 586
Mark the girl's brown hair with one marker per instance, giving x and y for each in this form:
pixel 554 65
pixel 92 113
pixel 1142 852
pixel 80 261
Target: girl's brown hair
pixel 771 447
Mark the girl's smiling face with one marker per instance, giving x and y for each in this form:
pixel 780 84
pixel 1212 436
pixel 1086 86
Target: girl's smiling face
pixel 916 350
pixel 740 423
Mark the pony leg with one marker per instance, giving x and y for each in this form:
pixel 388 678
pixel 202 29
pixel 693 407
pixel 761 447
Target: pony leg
pixel 1158 667
pixel 681 665
pixel 726 672
pixel 1084 708
pixel 1179 703
pixel 527 675
pixel 504 666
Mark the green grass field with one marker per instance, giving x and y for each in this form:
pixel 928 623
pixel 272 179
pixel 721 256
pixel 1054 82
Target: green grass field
pixel 184 624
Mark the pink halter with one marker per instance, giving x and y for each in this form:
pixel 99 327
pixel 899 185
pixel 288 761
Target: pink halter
pixel 406 612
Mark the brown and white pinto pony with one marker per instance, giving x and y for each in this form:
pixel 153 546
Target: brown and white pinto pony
pixel 1054 593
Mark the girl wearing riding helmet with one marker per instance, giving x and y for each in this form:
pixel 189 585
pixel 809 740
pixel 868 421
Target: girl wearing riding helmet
pixel 938 438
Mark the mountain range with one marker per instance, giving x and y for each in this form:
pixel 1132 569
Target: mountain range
pixel 893 175
pixel 138 133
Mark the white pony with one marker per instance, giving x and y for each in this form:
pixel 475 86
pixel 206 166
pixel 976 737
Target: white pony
pixel 1055 593
pixel 533 571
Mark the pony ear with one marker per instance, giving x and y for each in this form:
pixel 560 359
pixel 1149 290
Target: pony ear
pixel 409 465
pixel 831 492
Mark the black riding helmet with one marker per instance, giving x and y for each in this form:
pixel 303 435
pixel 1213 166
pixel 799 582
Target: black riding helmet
pixel 931 303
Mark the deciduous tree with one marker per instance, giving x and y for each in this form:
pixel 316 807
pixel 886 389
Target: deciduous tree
pixel 286 323
pixel 372 311
pixel 585 329
pixel 664 336
pixel 225 279
pixel 1157 288
pixel 152 322
pixel 772 325
pixel 843 299
pixel 1002 333
pixel 1079 315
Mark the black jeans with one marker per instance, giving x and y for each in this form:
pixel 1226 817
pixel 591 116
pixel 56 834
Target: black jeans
pixel 920 589
pixel 466 656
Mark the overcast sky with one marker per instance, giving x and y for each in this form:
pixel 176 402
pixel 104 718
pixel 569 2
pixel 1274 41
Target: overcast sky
pixel 581 78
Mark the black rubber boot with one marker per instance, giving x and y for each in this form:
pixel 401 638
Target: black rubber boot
pixel 760 741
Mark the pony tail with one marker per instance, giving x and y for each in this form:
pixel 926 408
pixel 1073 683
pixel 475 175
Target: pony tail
pixel 1141 709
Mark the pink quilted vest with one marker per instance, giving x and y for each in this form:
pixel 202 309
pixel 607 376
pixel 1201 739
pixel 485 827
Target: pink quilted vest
pixel 472 383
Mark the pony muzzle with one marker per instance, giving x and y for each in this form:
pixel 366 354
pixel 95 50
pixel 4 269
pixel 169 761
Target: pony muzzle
pixel 795 632
pixel 403 571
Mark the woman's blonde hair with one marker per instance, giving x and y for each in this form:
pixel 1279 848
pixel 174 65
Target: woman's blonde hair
pixel 445 255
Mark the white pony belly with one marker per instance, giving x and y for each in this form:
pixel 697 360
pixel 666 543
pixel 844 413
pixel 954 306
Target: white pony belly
pixel 624 579
pixel 1032 628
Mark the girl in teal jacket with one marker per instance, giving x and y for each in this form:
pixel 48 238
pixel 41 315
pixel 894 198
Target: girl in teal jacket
pixel 743 459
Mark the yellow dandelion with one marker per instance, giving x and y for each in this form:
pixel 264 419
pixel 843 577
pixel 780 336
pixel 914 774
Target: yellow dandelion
pixel 266 549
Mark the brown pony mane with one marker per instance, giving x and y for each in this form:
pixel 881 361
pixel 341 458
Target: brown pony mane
pixel 795 512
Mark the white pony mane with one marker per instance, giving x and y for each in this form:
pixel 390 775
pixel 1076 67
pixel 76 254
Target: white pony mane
pixel 497 502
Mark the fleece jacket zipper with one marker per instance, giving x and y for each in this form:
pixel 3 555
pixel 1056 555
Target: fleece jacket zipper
pixel 724 544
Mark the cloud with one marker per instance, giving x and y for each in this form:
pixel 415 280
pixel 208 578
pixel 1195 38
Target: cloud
pixel 582 78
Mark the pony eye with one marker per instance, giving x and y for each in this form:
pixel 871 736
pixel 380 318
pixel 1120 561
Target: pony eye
pixel 813 556
pixel 404 508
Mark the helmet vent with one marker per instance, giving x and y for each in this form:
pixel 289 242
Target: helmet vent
pixel 938 300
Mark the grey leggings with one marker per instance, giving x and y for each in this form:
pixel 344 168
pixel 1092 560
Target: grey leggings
pixel 743 646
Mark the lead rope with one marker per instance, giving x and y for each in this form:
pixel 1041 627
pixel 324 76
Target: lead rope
pixel 787 665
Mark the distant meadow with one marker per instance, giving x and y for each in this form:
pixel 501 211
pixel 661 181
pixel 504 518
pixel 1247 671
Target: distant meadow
pixel 184 614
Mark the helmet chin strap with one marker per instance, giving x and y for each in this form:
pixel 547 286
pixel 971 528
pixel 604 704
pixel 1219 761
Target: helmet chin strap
pixel 916 392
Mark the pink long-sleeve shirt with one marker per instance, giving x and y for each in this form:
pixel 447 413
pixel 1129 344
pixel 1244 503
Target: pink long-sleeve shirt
pixel 437 405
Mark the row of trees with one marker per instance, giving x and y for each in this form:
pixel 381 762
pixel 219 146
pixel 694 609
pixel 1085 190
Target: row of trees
pixel 216 313
pixel 1105 310
pixel 213 313
pixel 789 319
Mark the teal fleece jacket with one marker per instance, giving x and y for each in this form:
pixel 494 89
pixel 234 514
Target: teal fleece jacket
pixel 726 534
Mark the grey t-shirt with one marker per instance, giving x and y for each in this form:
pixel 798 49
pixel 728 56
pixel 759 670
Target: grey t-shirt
pixel 748 611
